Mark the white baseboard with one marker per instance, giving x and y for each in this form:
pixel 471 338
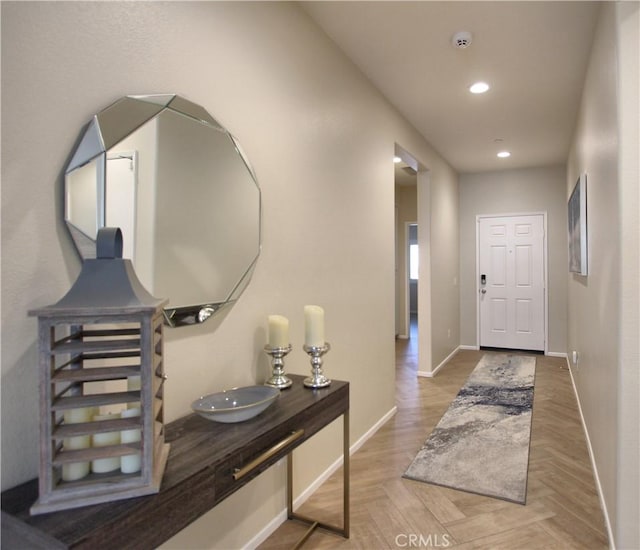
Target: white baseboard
pixel 282 516
pixel 603 504
pixel 432 373
pixel 402 337
pixel 473 348
pixel 371 431
pixel 266 532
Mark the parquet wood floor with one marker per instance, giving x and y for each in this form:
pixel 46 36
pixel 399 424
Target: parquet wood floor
pixel 387 511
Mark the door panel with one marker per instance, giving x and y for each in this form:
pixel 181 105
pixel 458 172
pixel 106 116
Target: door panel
pixel 523 275
pixel 512 299
pixel 523 316
pixel 498 315
pixel 498 266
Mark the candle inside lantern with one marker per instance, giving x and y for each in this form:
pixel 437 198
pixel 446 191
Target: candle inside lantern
pixel 130 464
pixel 314 326
pixel 103 439
pixel 76 470
pixel 278 331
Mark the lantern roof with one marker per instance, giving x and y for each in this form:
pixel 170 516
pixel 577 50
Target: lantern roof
pixel 106 285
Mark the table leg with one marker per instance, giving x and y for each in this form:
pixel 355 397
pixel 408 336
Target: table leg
pixel 344 530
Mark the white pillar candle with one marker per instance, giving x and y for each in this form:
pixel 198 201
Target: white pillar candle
pixel 314 326
pixel 76 470
pixel 76 416
pixel 278 331
pixel 73 471
pixel 130 464
pixel 103 439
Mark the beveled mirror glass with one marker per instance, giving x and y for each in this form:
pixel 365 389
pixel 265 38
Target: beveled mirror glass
pixel 183 193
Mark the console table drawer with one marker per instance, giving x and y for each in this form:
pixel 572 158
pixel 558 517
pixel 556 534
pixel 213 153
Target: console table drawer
pixel 238 470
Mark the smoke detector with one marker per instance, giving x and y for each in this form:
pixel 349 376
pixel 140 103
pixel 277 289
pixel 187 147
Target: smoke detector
pixel 461 40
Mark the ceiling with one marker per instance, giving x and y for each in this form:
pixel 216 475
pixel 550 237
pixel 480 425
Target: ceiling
pixel 532 54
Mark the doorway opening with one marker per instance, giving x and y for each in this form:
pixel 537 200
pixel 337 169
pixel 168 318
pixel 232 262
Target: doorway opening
pixel 405 235
pixel 406 267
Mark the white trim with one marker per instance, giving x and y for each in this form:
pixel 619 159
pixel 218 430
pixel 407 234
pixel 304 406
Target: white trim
pixel 371 431
pixel 267 531
pixel 473 348
pixel 432 373
pixel 557 354
pixel 545 254
pixel 603 504
pixel 402 337
pixel 281 517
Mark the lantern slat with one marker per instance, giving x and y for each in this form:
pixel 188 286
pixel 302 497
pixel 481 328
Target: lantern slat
pixel 67 457
pixel 94 400
pixel 96 373
pixel 101 345
pixel 87 428
pixel 112 355
pixel 111 332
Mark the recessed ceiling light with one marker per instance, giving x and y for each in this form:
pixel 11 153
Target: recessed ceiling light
pixel 479 88
pixel 504 154
pixel 396 160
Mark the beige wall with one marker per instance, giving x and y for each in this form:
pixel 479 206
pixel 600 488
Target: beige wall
pixel 321 141
pixel 628 498
pixel 603 307
pixel 441 234
pixel 513 192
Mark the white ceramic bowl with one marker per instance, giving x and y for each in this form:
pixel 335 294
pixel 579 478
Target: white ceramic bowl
pixel 235 405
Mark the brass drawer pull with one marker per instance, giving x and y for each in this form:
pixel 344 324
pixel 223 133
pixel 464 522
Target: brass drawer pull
pixel 239 473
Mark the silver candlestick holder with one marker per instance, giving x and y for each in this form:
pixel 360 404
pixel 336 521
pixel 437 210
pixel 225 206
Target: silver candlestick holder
pixel 317 378
pixel 278 378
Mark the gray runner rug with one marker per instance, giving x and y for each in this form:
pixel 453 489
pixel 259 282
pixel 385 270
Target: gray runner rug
pixel 481 444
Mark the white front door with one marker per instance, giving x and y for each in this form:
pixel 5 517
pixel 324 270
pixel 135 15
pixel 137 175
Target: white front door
pixel 511 285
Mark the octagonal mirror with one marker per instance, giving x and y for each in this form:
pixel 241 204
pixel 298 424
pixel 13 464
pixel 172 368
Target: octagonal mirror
pixel 178 185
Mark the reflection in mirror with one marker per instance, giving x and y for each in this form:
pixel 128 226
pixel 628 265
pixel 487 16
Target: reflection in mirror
pixel 182 192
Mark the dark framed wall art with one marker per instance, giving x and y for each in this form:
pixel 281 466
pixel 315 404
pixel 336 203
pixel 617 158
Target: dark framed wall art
pixel 578 227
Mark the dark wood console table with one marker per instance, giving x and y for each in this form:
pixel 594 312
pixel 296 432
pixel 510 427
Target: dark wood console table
pixel 207 462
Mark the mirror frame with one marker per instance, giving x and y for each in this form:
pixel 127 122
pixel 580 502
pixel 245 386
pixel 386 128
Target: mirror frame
pixel 108 128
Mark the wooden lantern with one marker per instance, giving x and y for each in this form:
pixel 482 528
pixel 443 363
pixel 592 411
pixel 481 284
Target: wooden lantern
pixel 101 386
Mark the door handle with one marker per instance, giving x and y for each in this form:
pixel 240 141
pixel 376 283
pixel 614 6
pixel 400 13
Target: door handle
pixel 484 291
